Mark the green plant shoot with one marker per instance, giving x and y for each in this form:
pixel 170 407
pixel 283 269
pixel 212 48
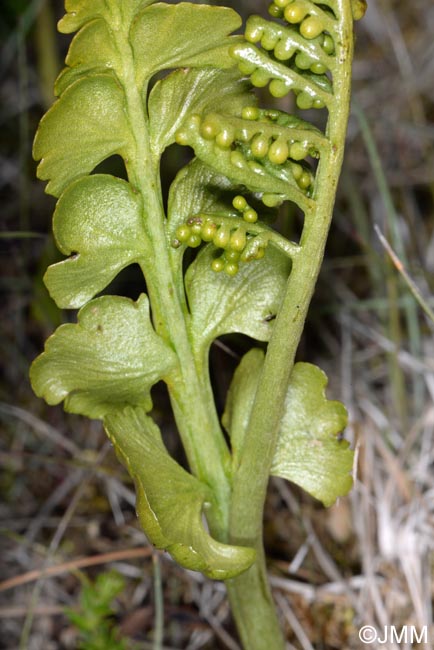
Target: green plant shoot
pixel 243 276
pixel 93 617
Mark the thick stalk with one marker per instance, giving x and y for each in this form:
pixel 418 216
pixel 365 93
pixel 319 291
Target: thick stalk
pixel 253 607
pixel 254 613
pixel 209 459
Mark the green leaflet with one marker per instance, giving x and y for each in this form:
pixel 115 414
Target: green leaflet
pixel 92 51
pixel 308 451
pixel 246 303
pixel 108 360
pixel 98 219
pixel 188 91
pixel 85 126
pixel 81 12
pixel 161 37
pixel 240 398
pixel 170 500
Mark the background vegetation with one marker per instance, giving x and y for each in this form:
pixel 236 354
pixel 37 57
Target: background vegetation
pixel 64 497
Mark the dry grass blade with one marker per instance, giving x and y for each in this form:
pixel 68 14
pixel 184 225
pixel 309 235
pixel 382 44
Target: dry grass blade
pixel 404 273
pixel 75 565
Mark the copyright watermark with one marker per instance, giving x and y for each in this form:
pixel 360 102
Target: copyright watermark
pixel 390 633
pixel 368 634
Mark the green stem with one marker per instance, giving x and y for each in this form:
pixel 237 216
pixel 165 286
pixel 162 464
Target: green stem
pixel 254 611
pixel 253 607
pixel 210 460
